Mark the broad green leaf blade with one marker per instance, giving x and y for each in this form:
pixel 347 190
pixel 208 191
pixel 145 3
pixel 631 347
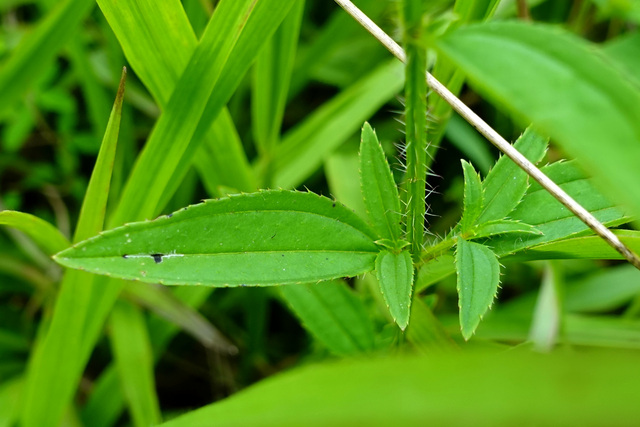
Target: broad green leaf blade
pixel 596 119
pixel 590 247
pixel 53 374
pixel 266 238
pixel 304 148
pixel 395 275
pixel 473 198
pixel 504 226
pixel 132 351
pixel 423 390
pixel 379 190
pixel 332 313
pixel 478 279
pixel 36 50
pixel 550 217
pixel 46 236
pixel 506 183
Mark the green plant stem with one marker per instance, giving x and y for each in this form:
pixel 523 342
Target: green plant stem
pixel 416 123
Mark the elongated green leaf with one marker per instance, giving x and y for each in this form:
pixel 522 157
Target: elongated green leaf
pixel 473 197
pixel 176 126
pixel 132 351
pixel 271 78
pixel 625 50
pixel 506 184
pixel 221 160
pixel 596 119
pixel 160 301
pixel 503 226
pixel 305 147
pixel 425 390
pixel 591 247
pixel 466 139
pixel 10 401
pixel 54 374
pixel 379 190
pixel 395 275
pixel 106 402
pixel 46 236
pixel 478 279
pixel 266 238
pixel 333 314
pixel 342 173
pixel 32 55
pixel 94 206
pixel 551 218
pixel 603 291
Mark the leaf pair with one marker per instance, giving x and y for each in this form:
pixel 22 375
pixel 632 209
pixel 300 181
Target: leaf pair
pixel 485 210
pixel 265 238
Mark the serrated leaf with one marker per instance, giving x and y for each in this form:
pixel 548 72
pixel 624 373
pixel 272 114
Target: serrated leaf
pixel 265 238
pixel 378 187
pixel 504 226
pixel 333 314
pixel 395 275
pixel 539 209
pixel 506 183
pixel 478 279
pixel 596 119
pixel 473 197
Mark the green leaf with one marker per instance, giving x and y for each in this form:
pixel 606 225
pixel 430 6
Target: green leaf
pixel 473 197
pixel 552 219
pixel 506 183
pixel 466 139
pixel 132 352
pixel 421 390
pixel 425 332
pixel 523 68
pixel 53 373
pixel 304 148
pixel 590 247
pixel 603 291
pixel 46 236
pixel 435 270
pixel 176 126
pixel 333 314
pixel 395 275
pixel 546 324
pixel 30 59
pixel 478 279
pixel 625 50
pixel 504 226
pixel 379 190
pixel 266 238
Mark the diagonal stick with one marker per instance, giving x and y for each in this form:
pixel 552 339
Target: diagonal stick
pixel 496 139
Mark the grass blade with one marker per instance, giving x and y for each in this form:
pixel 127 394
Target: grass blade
pixel 133 356
pixel 333 314
pixel 46 236
pixel 36 50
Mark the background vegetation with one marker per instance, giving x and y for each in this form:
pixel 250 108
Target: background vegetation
pixel 279 102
